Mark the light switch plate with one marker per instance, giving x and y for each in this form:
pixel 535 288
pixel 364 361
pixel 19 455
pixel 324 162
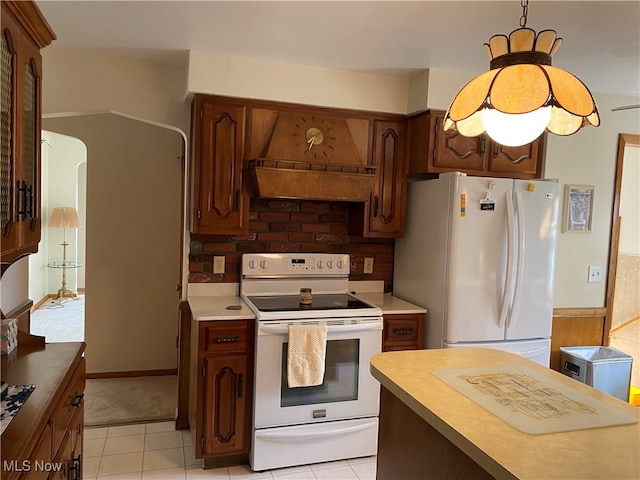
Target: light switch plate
pixel 595 274
pixel 218 264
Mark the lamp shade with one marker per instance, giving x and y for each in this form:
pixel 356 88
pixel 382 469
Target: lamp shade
pixel 64 217
pixel 522 95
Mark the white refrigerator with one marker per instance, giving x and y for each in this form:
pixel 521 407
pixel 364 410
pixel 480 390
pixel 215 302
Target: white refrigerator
pixel 479 255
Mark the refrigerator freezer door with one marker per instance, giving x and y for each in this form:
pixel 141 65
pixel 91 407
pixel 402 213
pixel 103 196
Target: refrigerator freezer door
pixel 478 259
pixel 536 207
pixel 538 351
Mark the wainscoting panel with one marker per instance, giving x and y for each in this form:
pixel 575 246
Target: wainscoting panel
pixel 575 327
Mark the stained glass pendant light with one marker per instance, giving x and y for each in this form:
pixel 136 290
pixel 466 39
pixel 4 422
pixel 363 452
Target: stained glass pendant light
pixel 522 95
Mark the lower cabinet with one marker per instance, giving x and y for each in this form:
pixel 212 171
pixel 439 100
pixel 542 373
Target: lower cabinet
pixel 225 404
pixel 47 446
pixel 69 456
pixel 221 385
pixel 402 331
pixel 68 423
pixel 41 456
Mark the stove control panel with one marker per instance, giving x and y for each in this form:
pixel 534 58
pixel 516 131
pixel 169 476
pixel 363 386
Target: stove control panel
pixel 295 264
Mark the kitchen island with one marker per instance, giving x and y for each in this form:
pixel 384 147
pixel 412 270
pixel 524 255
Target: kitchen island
pixel 429 429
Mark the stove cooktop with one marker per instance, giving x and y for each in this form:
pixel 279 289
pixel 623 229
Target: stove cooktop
pixel 291 303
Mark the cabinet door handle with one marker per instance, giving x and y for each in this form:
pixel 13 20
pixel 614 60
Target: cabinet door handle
pixel 240 385
pixel 496 150
pixel 29 195
pixel 75 468
pixel 226 339
pixel 403 331
pixel 376 202
pixel 21 188
pixel 76 400
pixel 25 199
pixel 483 145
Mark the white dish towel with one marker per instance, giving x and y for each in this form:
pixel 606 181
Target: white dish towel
pixel 306 355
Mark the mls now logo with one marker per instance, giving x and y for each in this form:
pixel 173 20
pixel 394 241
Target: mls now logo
pixel 27 466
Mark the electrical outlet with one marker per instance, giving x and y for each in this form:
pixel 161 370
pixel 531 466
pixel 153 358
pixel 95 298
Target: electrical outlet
pixel 595 274
pixel 218 264
pixel 368 265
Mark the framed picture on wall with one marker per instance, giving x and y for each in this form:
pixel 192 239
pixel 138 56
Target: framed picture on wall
pixel 578 207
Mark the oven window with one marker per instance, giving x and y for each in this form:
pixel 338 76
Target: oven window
pixel 340 376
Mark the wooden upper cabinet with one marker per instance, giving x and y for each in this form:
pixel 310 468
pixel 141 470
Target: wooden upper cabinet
pixel 383 215
pixel 386 212
pixel 524 161
pixel 455 152
pixel 24 33
pixel 221 204
pixel 432 151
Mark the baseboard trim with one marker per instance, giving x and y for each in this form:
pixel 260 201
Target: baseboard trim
pixel 182 422
pixel 133 373
pixel 580 312
pixel 49 296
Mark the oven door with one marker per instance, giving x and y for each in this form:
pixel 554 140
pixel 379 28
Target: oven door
pixel 348 390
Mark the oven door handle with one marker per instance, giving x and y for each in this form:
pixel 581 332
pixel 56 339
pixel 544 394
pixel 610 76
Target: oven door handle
pixel 360 327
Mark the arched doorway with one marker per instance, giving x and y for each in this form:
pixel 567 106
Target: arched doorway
pixel 133 236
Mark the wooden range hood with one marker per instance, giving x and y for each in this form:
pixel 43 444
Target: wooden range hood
pixel 315 157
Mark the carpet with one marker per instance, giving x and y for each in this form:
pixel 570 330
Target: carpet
pixel 60 321
pixel 120 401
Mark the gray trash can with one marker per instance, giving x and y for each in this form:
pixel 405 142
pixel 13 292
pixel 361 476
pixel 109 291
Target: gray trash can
pixel 605 368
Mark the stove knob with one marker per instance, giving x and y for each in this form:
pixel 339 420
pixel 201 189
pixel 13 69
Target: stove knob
pixel 340 264
pixel 320 265
pixel 252 264
pixel 329 263
pixel 263 264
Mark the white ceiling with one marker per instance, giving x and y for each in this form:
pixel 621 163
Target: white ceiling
pixel 601 39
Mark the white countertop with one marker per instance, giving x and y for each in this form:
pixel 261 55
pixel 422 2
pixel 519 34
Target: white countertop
pixel 214 307
pixel 389 304
pixel 211 307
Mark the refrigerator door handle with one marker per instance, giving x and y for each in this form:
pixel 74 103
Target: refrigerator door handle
pixel 519 261
pixel 508 284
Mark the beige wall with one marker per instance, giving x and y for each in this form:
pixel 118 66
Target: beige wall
pixel 589 158
pixel 75 82
pixel 251 78
pixel 133 240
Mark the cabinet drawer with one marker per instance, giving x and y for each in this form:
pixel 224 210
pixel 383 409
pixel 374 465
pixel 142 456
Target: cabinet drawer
pixel 224 336
pixel 402 331
pixel 71 400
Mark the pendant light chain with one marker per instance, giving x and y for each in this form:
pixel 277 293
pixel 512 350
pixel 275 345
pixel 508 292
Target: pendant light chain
pixel 525 11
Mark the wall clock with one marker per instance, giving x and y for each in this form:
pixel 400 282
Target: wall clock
pixel 314 136
pixel 309 137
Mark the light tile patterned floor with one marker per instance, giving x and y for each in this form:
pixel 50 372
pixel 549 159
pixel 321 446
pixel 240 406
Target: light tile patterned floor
pixel 156 451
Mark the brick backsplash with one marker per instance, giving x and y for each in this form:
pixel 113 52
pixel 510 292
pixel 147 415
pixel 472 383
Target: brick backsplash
pixel 292 226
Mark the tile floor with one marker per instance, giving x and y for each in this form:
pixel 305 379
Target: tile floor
pixel 155 451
